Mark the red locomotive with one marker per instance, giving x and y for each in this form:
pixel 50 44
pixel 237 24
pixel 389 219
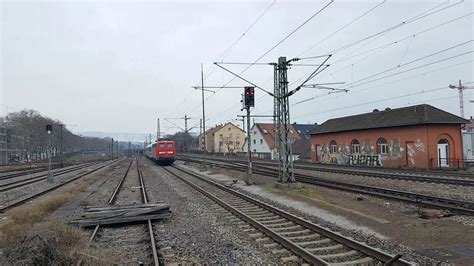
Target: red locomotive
pixel 163 151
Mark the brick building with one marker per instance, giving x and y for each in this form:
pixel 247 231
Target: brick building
pixel 420 136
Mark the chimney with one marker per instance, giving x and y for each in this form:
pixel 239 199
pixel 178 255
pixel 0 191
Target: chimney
pixel 375 110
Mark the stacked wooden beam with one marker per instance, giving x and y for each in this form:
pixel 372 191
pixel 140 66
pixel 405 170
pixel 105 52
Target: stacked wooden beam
pixel 120 214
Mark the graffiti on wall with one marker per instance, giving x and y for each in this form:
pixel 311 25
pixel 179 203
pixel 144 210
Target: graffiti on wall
pixel 419 145
pixel 411 153
pixel 366 160
pixel 341 157
pixel 368 153
pixel 395 151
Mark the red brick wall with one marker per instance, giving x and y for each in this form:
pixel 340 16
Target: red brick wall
pixel 409 146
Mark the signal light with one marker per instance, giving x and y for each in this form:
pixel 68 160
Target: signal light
pixel 249 96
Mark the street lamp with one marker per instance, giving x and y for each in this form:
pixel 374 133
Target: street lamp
pixel 49 130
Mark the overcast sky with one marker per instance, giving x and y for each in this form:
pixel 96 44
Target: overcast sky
pixel 116 67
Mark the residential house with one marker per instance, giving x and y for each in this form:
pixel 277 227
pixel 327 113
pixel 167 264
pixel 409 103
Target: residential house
pixel 228 139
pixel 225 139
pixel 263 141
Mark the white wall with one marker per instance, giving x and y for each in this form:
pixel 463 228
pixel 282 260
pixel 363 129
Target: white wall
pixel 468 145
pixel 258 146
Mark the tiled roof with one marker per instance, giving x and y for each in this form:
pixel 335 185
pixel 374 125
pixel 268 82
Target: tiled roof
pixel 304 129
pixel 267 131
pixel 406 116
pixel 302 147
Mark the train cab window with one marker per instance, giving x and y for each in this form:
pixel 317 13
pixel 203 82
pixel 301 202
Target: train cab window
pixel 162 145
pixel 170 145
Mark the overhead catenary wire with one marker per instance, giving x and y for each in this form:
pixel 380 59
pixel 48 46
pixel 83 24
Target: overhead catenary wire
pixel 420 15
pixel 383 84
pixel 403 23
pixel 376 101
pixel 233 44
pixel 341 28
pixel 411 69
pixel 272 48
pixel 351 84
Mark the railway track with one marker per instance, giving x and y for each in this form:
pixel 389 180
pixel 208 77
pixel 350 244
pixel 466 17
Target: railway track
pixel 295 239
pixel 33 170
pixel 30 180
pixel 457 206
pixel 128 238
pixel 17 202
pixel 468 180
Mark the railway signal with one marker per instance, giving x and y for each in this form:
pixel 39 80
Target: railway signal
pixel 249 97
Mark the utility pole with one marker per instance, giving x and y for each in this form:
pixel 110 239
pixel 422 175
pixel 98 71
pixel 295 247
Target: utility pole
pixel 49 131
pixel 158 129
pixel 282 127
pixel 200 132
pixel 203 116
pixel 281 113
pixel 112 149
pixel 460 89
pixel 61 146
pixel 186 118
pixel 202 88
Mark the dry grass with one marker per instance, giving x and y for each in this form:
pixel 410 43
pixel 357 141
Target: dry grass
pixel 27 237
pixel 44 244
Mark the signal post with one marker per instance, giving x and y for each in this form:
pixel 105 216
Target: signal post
pixel 249 101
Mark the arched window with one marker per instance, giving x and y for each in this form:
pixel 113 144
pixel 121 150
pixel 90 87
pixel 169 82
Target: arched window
pixel 333 146
pixel 355 146
pixel 382 146
pixel 443 141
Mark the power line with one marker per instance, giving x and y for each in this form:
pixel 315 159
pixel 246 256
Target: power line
pixel 413 61
pixel 394 81
pixel 233 44
pixel 247 30
pixel 403 23
pixel 411 69
pixel 377 101
pixel 402 39
pixel 272 48
pixel 343 27
pixel 392 43
pixel 208 73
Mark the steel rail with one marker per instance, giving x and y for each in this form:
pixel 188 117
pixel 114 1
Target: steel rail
pixel 37 169
pixel 23 200
pixel 458 206
pixel 150 226
pixel 299 251
pixel 112 199
pixel 31 180
pixel 144 197
pixel 377 173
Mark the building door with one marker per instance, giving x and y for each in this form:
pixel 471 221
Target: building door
pixel 317 151
pixel 443 153
pixel 410 154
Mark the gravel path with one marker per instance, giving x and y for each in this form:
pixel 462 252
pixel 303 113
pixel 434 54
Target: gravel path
pixel 199 230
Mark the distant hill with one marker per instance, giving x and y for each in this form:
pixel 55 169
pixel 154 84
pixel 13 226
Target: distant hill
pixel 132 137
